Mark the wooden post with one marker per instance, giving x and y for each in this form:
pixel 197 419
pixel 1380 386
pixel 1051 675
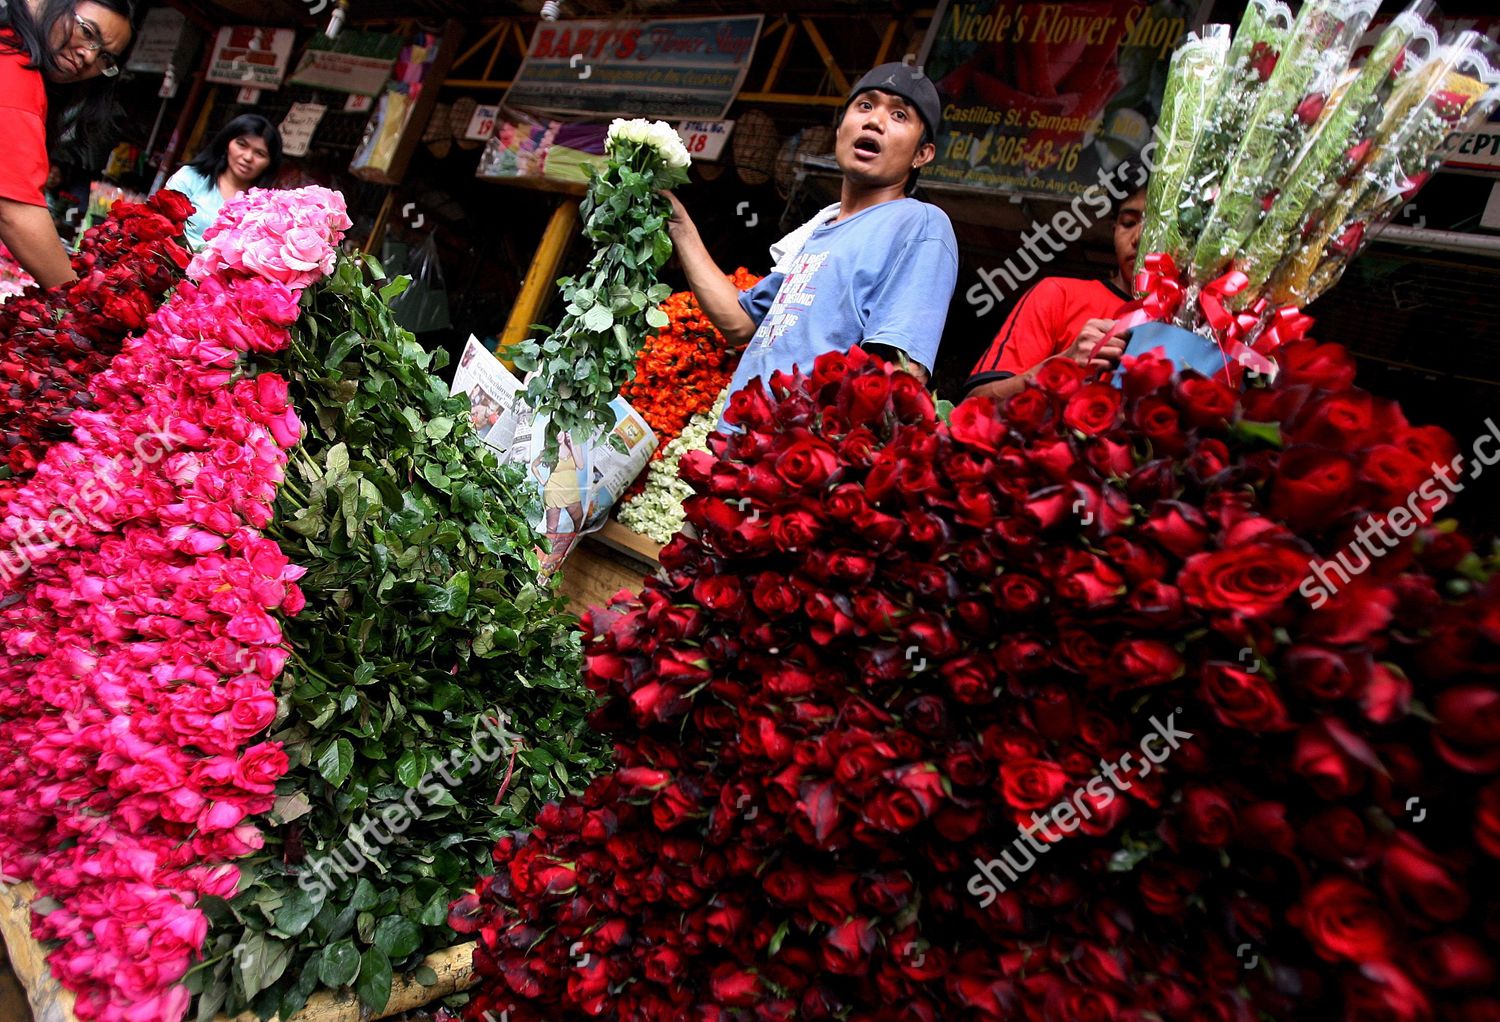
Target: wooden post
pixel 51 1003
pixel 541 275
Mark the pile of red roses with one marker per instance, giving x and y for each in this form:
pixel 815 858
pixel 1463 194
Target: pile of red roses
pixel 894 640
pixel 53 343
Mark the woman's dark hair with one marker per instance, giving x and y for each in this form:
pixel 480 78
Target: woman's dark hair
pixel 76 114
pixel 213 159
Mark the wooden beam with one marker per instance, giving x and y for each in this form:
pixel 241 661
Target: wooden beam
pixel 790 99
pixel 541 275
pixel 886 40
pixel 496 29
pixel 377 232
pixel 489 67
pixel 780 60
pixel 840 81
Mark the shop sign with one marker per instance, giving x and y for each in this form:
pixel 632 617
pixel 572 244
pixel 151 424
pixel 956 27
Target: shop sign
pixel 359 63
pixel 158 40
pixel 251 57
pixel 1041 98
pixel 705 140
pixel 670 68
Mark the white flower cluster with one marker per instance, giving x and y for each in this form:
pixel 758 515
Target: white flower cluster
pixel 656 512
pixel 659 135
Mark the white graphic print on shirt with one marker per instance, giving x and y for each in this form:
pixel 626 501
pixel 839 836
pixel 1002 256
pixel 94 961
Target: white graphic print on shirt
pixel 795 295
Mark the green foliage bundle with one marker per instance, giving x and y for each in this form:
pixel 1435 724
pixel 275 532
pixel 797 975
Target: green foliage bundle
pixel 612 307
pixel 425 636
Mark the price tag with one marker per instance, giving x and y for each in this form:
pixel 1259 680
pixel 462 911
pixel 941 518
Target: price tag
pixel 482 125
pixel 705 140
pixel 359 104
pixel 298 127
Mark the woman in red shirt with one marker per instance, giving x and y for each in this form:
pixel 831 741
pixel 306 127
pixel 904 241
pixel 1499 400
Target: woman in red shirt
pixel 66 51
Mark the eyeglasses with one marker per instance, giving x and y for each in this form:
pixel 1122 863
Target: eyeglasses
pixel 94 43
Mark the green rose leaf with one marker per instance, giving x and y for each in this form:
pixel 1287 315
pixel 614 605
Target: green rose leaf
pixel 374 981
pixel 336 761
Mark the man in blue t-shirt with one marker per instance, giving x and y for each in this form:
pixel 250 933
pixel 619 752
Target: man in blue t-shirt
pixel 879 272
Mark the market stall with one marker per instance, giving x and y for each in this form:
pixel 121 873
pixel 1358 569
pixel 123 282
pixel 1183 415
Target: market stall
pixel 337 682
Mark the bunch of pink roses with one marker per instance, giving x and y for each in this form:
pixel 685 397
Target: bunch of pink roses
pixel 137 623
pixel 266 236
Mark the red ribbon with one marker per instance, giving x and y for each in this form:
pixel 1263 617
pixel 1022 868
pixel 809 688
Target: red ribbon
pixel 1211 301
pixel 1160 287
pixel 1287 324
pixel 1161 295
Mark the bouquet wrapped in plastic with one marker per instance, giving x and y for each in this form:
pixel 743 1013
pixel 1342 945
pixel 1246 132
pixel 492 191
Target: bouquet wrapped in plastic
pixel 1274 169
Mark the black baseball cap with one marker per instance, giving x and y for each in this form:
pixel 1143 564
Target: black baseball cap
pixel 910 84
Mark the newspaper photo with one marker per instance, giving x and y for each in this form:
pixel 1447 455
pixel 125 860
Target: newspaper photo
pixel 588 479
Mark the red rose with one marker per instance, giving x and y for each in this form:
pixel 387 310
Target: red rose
pixel 1060 376
pixel 1311 487
pixel 846 949
pixel 1028 409
pixel 1138 662
pixel 1263 825
pixel 1322 366
pixel 172 204
pixel 1337 834
pixel 1323 673
pixel 1343 921
pixel 1030 783
pixel 1467 734
pixel 1158 419
pixel 729 986
pixel 971 679
pixel 720 594
pixel 672 807
pixel 1093 408
pixel 1208 818
pixel 1206 402
pixel 1413 878
pixel 975 424
pixel 1179 528
pixel 867 396
pixel 1255 579
pixel 1453 960
pixel 808 462
pixel 1165 891
pixel 1331 771
pixel 1381 992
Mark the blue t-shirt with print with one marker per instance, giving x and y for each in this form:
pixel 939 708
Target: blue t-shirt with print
pixel 883 276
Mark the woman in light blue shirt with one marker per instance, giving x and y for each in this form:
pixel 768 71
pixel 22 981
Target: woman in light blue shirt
pixel 244 153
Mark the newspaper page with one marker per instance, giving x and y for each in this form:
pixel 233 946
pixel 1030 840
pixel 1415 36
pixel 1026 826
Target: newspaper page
pixel 588 479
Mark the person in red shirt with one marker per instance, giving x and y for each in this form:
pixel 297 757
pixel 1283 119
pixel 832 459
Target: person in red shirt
pixel 58 59
pixel 1061 317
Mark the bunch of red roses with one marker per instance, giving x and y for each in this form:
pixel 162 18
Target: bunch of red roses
pixel 53 343
pixel 849 717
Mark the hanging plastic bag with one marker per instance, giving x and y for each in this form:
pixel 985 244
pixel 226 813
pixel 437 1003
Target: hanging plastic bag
pixel 423 305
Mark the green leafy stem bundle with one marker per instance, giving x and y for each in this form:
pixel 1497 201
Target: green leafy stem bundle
pixel 424 624
pixel 612 307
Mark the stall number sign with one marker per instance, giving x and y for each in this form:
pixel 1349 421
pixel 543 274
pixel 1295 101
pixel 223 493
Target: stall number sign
pixel 705 139
pixel 482 125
